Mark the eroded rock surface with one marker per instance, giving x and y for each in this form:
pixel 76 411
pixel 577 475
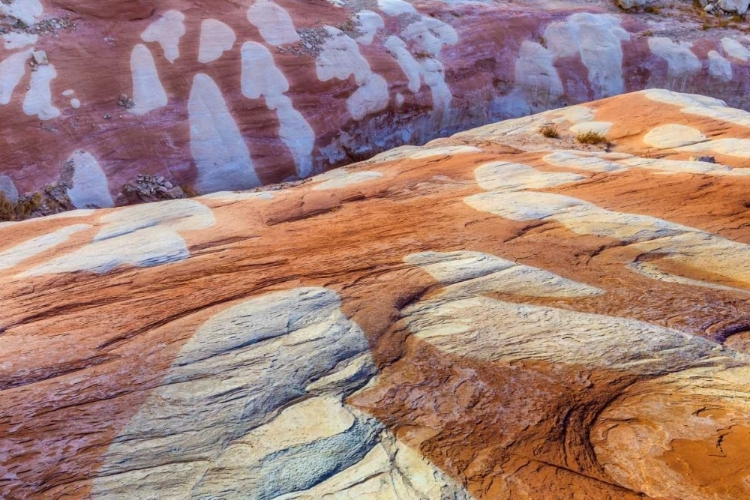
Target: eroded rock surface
pixel 494 315
pixel 217 96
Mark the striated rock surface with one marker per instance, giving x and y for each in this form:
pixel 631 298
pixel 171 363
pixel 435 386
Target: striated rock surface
pixel 494 315
pixel 216 96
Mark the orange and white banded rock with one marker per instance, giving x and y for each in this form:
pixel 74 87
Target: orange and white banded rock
pixel 221 96
pixel 494 315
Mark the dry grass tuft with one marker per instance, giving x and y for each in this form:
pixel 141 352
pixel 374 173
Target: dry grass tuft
pixel 550 131
pixel 591 137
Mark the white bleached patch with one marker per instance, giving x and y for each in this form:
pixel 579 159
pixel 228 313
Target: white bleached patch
pixel 597 40
pixel 428 68
pixel 409 64
pixel 14 40
pixel 683 167
pixel 274 23
pixel 38 100
pixel 339 58
pixel 672 135
pixel 474 273
pixel 579 216
pixel 90 186
pixel 146 248
pixel 216 38
pixel 536 75
pixel 175 215
pixel 422 153
pixel 260 75
pixel 718 67
pixel 680 244
pixel 167 31
pixel 35 246
pixel 508 176
pixel 735 49
pixel 368 23
pixel 27 11
pixel 368 98
pixel 68 93
pixel 8 189
pixel 700 105
pixel 219 151
pixel 142 236
pixel 492 330
pixel 241 403
pixel 75 103
pixel 574 159
pixel 396 7
pixel 348 179
pixel 426 36
pixel 238 196
pixel 681 61
pixel 739 148
pixel 148 92
pixel 71 214
pixel 262 78
pixel 430 35
pixel 12 70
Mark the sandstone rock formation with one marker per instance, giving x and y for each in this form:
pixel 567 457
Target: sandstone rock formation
pixel 229 95
pixel 494 315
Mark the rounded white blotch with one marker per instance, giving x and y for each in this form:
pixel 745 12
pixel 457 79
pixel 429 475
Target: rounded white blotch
pixel 75 103
pixel 680 59
pixel 219 151
pixel 38 100
pixel 68 93
pixel 735 49
pixel 369 23
pixel 12 70
pixel 348 179
pixel 261 78
pixel 597 40
pixel 536 75
pixel 672 136
pixel 396 7
pixel 718 67
pixel 216 38
pixel 90 186
pixel 8 189
pixel 369 98
pixel 27 11
pixel 274 23
pixel 148 92
pixel 167 31
pixel 340 58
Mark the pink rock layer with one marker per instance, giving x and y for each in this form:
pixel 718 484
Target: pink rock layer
pixel 229 95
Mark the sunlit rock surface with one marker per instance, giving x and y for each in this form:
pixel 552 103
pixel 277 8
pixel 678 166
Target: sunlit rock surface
pixel 495 315
pixel 215 96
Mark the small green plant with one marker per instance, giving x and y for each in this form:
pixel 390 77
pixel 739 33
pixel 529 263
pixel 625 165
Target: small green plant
pixel 591 137
pixel 549 131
